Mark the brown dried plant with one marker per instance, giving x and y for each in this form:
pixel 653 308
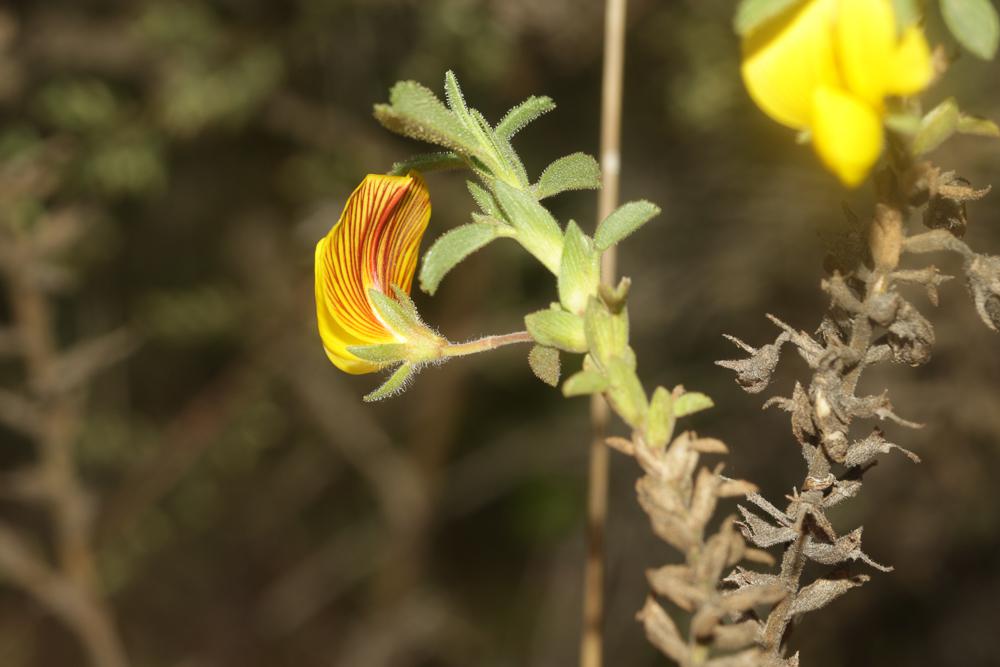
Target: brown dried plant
pixel 870 321
pixel 45 407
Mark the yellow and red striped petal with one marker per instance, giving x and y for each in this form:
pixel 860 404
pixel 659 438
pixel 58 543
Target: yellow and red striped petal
pixel 374 245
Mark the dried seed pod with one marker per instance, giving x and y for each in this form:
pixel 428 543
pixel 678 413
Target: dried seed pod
pixel 983 280
pixel 910 336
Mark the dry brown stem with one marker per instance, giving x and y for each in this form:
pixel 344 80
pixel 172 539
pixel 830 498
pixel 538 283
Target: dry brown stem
pixel 47 411
pixel 869 322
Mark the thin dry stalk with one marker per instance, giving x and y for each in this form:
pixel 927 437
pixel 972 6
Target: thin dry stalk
pixel 591 644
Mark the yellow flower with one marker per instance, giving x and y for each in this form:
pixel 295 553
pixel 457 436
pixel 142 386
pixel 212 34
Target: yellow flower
pixel 826 66
pixel 374 245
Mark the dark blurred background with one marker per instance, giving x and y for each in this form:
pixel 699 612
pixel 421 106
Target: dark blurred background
pixel 252 512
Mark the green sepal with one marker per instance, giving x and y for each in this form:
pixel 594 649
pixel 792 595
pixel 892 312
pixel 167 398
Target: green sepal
pixel 558 329
pixel 394 385
pixel 690 402
pixel 579 270
pixel 660 421
pixel 400 315
pixel 454 246
pixel 538 231
pixel 382 354
pixel 937 125
pixel 578 171
pixel 623 221
pixel 584 383
pixel 544 363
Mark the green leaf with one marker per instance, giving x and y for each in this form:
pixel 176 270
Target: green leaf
pixel 752 13
pixel 623 221
pixel 607 334
pixel 544 362
pixel 525 112
pixel 579 270
pixel 400 316
pixel 584 383
pixel 454 246
pixel 939 124
pixel 486 202
pixel 691 402
pixel 558 329
pixel 908 13
pixel 538 231
pixel 981 127
pixel 394 385
pixel 625 392
pixel 416 112
pixel 660 420
pixel 975 24
pixel 428 162
pixel 578 171
pixel 385 353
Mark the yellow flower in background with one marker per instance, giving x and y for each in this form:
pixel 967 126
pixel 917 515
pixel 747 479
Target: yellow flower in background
pixel 374 245
pixel 826 66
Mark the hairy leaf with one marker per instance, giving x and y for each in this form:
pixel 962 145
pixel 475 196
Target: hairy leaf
pixel 522 114
pixel 416 112
pixel 544 362
pixel 584 383
pixel 579 270
pixel 623 221
pixel 558 329
pixel 428 162
pixel 454 246
pixel 538 231
pixel 578 171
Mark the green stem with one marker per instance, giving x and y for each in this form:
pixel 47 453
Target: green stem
pixel 485 344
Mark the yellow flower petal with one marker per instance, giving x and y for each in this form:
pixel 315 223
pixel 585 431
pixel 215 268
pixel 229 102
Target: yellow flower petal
pixel 847 134
pixel 866 38
pixel 911 67
pixel 788 58
pixel 374 245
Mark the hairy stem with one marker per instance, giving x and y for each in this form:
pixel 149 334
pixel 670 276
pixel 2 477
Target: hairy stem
pixel 485 344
